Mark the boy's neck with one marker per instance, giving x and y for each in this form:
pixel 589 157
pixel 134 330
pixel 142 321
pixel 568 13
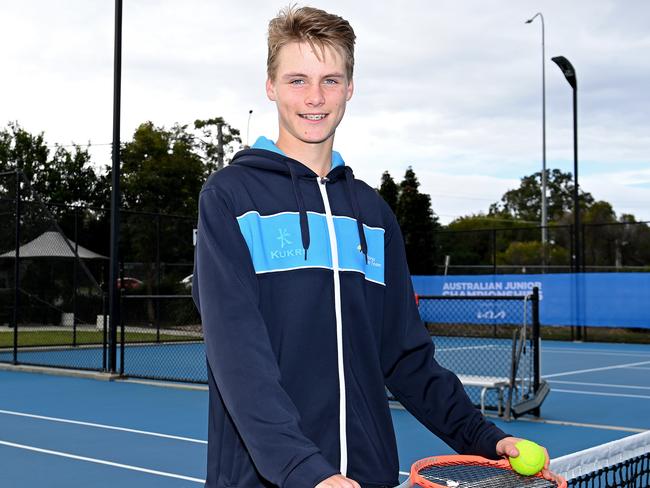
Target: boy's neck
pixel 317 157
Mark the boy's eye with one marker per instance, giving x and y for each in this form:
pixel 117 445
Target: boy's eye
pixel 331 81
pixel 297 82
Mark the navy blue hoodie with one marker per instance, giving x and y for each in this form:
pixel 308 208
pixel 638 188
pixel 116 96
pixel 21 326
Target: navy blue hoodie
pixel 308 313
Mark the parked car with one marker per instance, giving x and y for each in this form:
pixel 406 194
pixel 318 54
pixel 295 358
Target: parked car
pixel 187 281
pixel 129 283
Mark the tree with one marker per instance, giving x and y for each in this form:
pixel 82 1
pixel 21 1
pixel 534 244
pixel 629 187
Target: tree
pixel 473 240
pixel 212 150
pixel 66 178
pixel 389 190
pixel 161 170
pixel 531 253
pixel 418 224
pixel 524 203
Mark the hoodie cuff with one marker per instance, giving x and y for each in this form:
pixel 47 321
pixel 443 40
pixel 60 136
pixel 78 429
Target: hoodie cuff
pixel 488 444
pixel 310 472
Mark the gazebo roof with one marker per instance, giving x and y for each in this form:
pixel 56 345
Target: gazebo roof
pixel 52 245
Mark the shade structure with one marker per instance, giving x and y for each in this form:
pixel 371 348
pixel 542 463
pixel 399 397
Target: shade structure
pixel 52 244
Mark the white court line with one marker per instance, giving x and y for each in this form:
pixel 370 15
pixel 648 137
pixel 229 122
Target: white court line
pixel 101 461
pixel 599 393
pixel 604 368
pixel 578 424
pixel 103 426
pixel 643 369
pixel 606 385
pixel 467 348
pixel 595 351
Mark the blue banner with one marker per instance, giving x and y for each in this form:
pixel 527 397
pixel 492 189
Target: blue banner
pixel 592 299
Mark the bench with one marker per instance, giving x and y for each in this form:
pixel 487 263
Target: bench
pixel 498 383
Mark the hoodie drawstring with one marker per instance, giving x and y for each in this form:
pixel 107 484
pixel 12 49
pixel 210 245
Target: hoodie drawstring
pixel 304 223
pixel 349 178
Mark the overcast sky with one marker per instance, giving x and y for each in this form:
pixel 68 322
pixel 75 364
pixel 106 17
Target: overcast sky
pixel 451 88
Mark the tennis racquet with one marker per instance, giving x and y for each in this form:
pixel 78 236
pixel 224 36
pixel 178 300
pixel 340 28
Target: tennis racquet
pixel 471 472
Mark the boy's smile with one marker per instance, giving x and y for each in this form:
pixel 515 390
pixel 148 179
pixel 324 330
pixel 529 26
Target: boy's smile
pixel 310 94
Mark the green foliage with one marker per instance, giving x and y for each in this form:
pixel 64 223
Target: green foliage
pixel 472 239
pixel 525 202
pixel 65 177
pixel 416 219
pixel 418 224
pixel 531 253
pixel 389 190
pixel 213 152
pixel 161 170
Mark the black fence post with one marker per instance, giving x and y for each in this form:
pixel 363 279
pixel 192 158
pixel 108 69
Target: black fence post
pixel 105 332
pixel 122 313
pixel 537 373
pixel 494 251
pixel 16 314
pixel 74 279
pixel 157 302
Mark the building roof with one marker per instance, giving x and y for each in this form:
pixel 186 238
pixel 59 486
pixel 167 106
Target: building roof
pixel 52 245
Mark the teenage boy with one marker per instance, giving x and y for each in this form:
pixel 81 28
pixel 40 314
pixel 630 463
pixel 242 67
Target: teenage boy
pixel 306 300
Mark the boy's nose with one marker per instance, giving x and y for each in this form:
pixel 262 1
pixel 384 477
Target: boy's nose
pixel 315 96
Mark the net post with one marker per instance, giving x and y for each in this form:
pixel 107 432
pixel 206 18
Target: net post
pixel 536 346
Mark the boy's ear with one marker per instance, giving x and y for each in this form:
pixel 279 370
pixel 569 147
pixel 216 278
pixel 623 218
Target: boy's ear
pixel 350 91
pixel 270 89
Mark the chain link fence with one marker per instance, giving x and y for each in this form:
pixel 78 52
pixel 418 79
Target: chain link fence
pixel 606 247
pixel 54 283
pixel 161 338
pixel 491 343
pixel 52 296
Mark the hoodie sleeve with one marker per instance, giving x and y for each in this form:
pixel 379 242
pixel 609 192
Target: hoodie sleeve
pixel 239 352
pixel 433 394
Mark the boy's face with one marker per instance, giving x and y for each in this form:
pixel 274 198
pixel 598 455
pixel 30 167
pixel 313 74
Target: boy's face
pixel 310 94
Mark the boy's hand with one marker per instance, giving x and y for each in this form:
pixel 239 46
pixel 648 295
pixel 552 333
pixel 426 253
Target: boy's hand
pixel 506 447
pixel 338 481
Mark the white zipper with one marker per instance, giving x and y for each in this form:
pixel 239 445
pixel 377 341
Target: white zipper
pixel 339 327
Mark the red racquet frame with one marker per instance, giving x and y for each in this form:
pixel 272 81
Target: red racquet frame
pixel 417 480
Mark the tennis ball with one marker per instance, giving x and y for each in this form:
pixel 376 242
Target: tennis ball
pixel 531 458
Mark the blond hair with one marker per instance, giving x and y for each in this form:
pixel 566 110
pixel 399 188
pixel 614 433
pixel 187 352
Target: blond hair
pixel 316 27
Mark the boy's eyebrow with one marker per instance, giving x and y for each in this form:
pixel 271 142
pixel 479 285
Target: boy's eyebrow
pixel 297 74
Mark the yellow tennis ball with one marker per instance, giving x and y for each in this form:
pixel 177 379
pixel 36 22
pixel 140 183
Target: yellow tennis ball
pixel 531 458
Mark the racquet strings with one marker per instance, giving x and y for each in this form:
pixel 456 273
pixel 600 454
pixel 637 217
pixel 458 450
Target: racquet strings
pixel 477 476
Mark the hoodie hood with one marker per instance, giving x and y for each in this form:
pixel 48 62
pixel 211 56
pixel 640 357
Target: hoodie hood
pixel 266 156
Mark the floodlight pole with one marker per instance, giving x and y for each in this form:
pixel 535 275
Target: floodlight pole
pixel 248 127
pixel 113 293
pixel 570 75
pixel 544 202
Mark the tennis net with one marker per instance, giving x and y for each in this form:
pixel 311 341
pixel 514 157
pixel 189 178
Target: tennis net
pixel 624 463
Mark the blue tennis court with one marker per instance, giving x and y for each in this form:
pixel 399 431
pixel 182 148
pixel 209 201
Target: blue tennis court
pixel 61 431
